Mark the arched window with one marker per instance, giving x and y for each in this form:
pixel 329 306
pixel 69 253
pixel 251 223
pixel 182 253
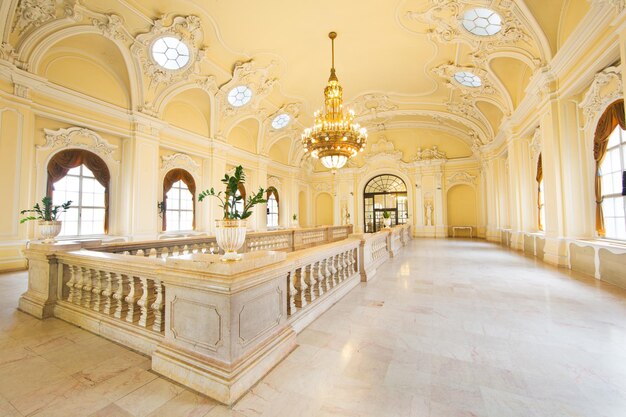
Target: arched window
pixel 272 207
pixel 541 213
pixel 179 195
pixel 384 193
pixel 241 191
pixel 83 177
pixel 609 152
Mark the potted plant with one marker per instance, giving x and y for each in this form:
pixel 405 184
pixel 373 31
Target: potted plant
pixel 386 218
pixel 294 220
pixel 47 215
pixel 230 231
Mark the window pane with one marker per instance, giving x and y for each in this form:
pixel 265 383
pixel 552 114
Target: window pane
pixel 614 138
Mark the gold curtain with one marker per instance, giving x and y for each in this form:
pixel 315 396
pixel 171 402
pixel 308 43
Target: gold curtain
pixel 172 177
pixel 61 163
pixel 539 179
pixel 610 119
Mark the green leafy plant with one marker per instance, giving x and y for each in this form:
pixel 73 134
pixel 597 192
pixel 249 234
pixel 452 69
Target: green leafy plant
pixel 294 217
pixel 386 214
pixel 46 211
pixel 229 197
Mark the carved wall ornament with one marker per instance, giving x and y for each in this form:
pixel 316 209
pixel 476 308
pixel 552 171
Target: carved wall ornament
pixel 273 181
pixel 383 149
pixel 605 88
pixel 248 74
pixel 461 177
pixel 323 187
pixel 444 17
pixel 186 28
pixel 33 13
pixel 535 143
pixel 112 27
pixel 179 160
pixel 7 52
pixel 429 154
pixel 65 137
pixel 372 104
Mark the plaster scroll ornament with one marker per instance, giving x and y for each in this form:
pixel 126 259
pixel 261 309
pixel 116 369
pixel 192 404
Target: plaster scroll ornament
pixel 383 149
pixel 254 83
pixel 188 31
pixel 429 154
pixel 112 27
pixel 66 137
pixel 33 13
pixel 372 104
pixel 7 52
pixel 273 181
pixel 535 144
pixel 445 18
pixel 605 88
pixel 461 177
pixel 323 187
pixel 179 160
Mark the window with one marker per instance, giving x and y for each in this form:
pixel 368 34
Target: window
pixel 482 22
pixel 385 193
pixel 468 79
pixel 179 208
pixel 239 205
pixel 83 177
pixel 170 53
pixel 86 214
pixel 272 207
pixel 611 169
pixel 179 191
pixel 239 96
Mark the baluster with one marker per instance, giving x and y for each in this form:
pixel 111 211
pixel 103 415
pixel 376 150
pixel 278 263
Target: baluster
pixel 345 264
pixel 134 293
pixel 320 277
pixel 354 267
pixel 71 283
pixel 107 293
pixel 301 288
pixel 78 286
pixel 309 279
pixel 334 265
pixel 145 301
pixel 120 294
pixel 291 293
pixel 87 287
pixel 97 290
pixel 158 307
pixel 327 274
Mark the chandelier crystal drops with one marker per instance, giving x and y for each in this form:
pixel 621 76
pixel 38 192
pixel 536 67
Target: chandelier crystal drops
pixel 334 137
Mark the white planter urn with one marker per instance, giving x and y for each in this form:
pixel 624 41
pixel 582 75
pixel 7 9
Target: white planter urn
pixel 295 224
pixel 48 230
pixel 387 222
pixel 230 236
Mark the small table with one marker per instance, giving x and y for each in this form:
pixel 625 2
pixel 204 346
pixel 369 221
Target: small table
pixel 455 228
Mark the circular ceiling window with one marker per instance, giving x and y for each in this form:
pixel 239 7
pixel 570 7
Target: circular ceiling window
pixel 280 121
pixel 239 96
pixel 482 22
pixel 468 79
pixel 170 53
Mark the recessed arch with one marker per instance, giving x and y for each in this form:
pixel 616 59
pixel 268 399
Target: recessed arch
pixel 461 207
pixel 244 135
pixel 514 75
pixel 190 109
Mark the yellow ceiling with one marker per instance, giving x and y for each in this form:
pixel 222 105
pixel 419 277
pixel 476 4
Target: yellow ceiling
pixel 404 51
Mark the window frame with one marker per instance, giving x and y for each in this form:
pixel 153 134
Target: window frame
pixel 621 146
pixel 179 209
pixel 272 192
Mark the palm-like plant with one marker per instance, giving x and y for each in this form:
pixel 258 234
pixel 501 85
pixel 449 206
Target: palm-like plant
pixel 46 211
pixel 229 197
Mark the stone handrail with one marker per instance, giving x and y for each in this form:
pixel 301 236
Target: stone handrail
pixel 284 240
pixel 213 326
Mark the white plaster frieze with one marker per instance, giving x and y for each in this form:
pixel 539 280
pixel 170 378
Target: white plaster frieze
pixel 179 160
pixel 605 88
pixel 461 177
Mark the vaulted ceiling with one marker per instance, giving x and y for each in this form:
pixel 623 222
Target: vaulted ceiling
pixel 396 59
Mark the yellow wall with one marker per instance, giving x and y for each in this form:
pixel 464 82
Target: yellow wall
pixel 462 206
pixel 323 209
pixel 303 211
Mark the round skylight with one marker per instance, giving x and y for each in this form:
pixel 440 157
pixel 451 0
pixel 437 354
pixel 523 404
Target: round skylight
pixel 239 96
pixel 468 79
pixel 280 121
pixel 482 22
pixel 170 53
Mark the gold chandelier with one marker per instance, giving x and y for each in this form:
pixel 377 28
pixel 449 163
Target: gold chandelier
pixel 334 137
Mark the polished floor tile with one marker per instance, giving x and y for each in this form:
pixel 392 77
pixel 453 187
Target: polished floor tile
pixel 450 328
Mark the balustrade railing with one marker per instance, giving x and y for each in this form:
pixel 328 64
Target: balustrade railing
pixel 283 240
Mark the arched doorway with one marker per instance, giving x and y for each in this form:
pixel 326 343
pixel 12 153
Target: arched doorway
pixel 384 193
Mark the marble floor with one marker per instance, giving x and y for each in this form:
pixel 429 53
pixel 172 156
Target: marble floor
pixel 450 328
